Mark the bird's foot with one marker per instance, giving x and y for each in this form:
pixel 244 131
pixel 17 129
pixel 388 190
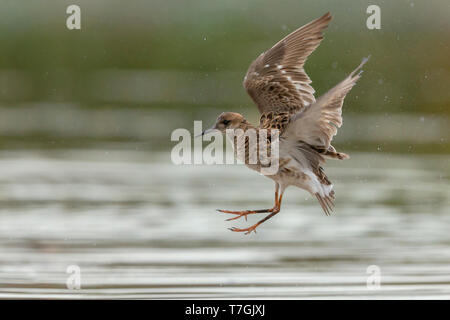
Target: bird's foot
pixel 246 230
pixel 243 213
pixel 239 216
pixel 238 213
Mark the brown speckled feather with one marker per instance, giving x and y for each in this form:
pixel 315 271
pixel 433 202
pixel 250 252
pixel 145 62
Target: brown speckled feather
pixel 276 80
pixel 275 120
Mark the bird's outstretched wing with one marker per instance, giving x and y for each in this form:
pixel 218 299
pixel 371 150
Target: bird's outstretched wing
pixel 317 124
pixel 276 80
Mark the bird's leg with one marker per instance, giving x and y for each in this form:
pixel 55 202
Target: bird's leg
pixel 244 213
pixel 253 227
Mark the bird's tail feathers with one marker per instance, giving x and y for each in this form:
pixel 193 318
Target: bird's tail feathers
pixel 331 153
pixel 336 155
pixel 326 202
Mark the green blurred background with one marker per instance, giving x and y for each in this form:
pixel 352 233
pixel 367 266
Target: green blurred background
pixel 139 69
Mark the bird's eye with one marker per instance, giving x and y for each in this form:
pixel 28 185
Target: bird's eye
pixel 225 122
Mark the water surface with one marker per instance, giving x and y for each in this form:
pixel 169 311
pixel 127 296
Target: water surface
pixel 140 227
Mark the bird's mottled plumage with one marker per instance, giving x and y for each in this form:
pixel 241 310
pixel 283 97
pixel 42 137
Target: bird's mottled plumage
pixel 278 84
pixel 276 80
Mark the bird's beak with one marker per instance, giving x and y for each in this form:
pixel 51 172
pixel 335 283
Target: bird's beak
pixel 205 132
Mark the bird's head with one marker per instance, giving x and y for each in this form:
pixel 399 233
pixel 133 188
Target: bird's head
pixel 227 120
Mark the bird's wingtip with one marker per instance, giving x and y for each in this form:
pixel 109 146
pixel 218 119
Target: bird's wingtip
pixel 327 16
pixel 363 62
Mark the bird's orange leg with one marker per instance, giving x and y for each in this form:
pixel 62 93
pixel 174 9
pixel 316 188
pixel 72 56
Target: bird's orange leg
pixel 244 213
pixel 253 227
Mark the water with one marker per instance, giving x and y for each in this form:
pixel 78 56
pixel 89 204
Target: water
pixel 140 227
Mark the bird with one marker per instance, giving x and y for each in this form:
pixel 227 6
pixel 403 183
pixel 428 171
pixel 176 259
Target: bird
pixel 277 83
